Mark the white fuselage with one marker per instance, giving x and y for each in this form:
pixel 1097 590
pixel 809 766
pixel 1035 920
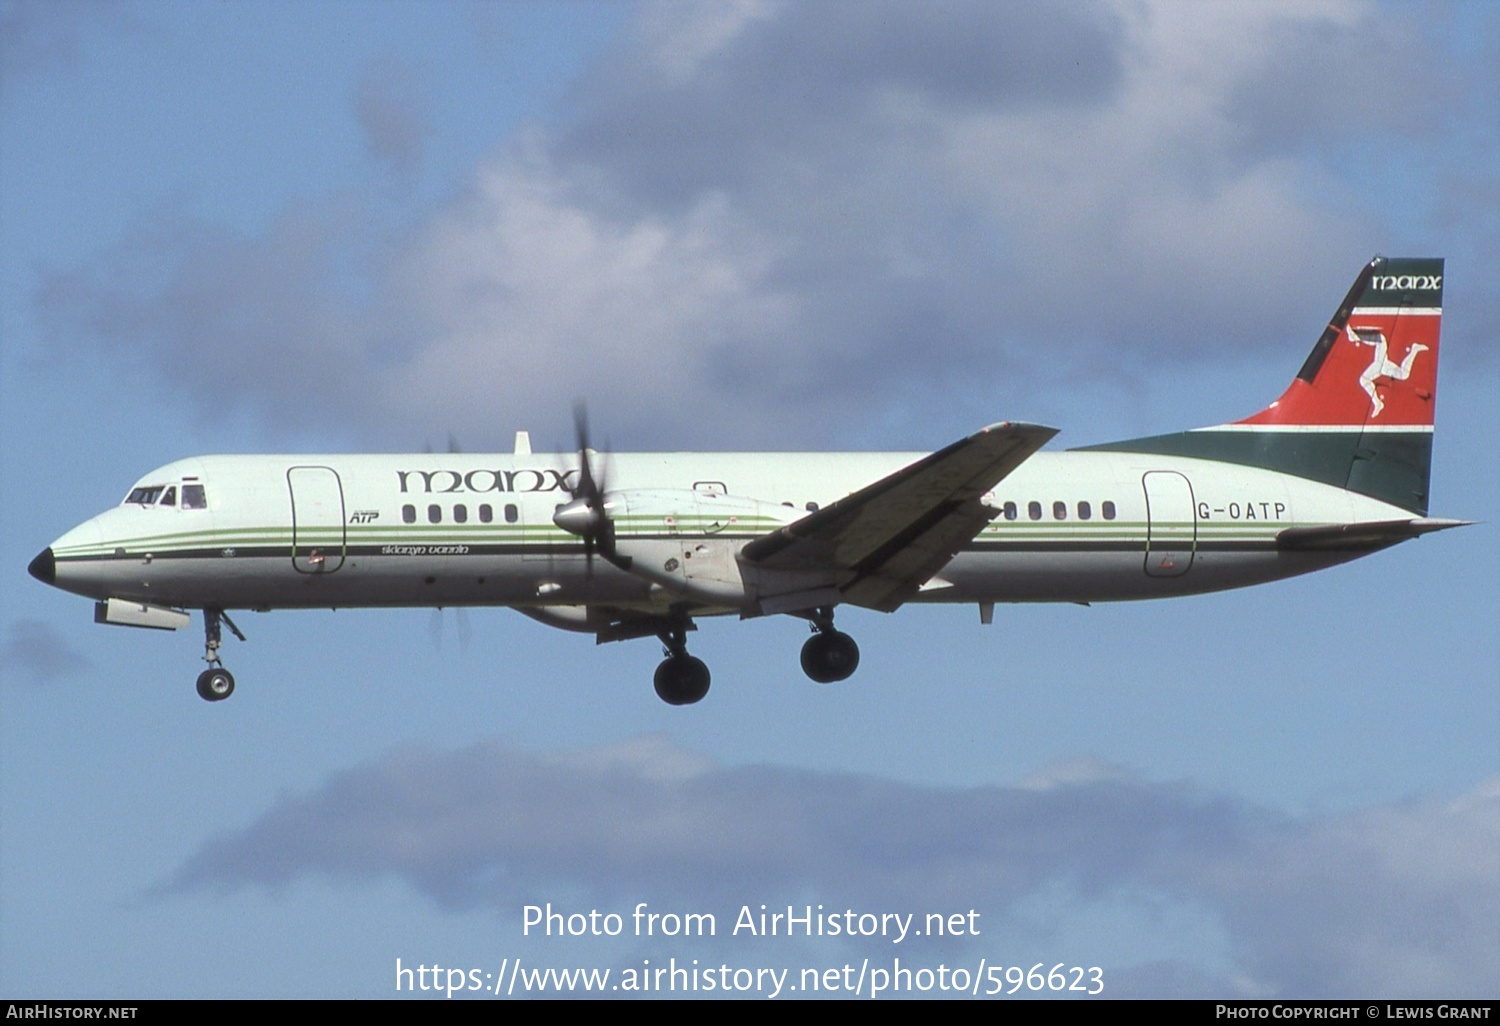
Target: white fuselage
pixel 638 545
pixel 471 529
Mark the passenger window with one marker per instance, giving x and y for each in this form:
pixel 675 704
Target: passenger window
pixel 434 514
pixel 812 507
pixel 408 514
pixel 1059 511
pixel 486 513
pixel 1109 510
pixel 1085 511
pixel 1034 510
pixel 169 497
pixel 1010 511
pixel 460 514
pixel 511 513
pixel 193 497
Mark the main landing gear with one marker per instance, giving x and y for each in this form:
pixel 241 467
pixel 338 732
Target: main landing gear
pixel 215 683
pixel 681 679
pixel 829 655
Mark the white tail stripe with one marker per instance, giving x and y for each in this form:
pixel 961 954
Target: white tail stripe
pixel 1391 311
pixel 1321 428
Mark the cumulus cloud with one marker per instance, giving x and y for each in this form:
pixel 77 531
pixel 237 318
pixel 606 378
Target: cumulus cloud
pixel 1394 900
pixel 277 320
pixel 34 651
pixel 1407 893
pixel 761 220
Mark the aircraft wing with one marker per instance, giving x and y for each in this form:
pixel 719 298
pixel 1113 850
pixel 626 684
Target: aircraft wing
pixel 887 539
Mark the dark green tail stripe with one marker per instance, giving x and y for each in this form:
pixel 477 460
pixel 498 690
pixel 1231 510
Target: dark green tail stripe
pixel 1392 466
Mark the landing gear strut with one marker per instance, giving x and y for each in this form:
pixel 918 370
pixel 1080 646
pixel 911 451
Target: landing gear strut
pixel 681 679
pixel 829 655
pixel 215 683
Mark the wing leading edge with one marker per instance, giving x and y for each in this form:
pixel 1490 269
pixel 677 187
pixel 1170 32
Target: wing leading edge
pixel 883 542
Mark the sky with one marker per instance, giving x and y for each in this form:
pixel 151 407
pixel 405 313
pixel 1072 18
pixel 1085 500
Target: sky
pixel 351 227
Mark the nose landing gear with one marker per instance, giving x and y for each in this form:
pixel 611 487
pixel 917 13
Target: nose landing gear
pixel 829 655
pixel 215 683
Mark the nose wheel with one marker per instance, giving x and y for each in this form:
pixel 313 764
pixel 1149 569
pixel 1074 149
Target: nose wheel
pixel 215 683
pixel 829 655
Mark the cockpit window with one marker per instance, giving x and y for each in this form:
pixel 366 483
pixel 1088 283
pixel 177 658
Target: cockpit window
pixel 146 496
pixel 193 496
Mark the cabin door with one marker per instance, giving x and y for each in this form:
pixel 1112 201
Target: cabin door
pixel 318 532
pixel 1171 523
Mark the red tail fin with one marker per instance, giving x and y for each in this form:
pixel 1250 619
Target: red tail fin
pixel 1375 365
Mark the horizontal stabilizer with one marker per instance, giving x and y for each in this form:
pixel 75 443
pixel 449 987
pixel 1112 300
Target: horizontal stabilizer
pixel 1371 535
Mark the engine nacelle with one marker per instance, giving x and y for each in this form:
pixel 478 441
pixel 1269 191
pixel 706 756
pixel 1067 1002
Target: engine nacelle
pixel 568 618
pixel 689 541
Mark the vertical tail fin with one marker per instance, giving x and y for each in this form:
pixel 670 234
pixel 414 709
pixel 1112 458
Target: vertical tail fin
pixel 1375 365
pixel 1359 413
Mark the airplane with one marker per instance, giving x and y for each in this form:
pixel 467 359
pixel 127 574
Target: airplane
pixel 635 545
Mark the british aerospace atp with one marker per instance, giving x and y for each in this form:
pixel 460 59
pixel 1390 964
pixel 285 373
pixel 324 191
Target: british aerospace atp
pixel 640 545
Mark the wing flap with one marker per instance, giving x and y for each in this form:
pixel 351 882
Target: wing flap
pixel 881 543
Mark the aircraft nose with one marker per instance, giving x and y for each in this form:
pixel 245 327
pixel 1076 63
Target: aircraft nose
pixel 44 567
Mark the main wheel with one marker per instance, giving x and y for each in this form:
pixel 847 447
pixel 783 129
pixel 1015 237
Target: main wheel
pixel 830 656
pixel 215 685
pixel 681 680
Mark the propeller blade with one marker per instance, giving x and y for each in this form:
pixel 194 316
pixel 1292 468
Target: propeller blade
pixel 435 628
pixel 581 423
pixel 588 488
pixel 465 630
pixel 586 516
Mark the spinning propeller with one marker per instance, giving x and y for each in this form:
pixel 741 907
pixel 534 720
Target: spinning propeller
pixel 586 515
pixel 465 631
